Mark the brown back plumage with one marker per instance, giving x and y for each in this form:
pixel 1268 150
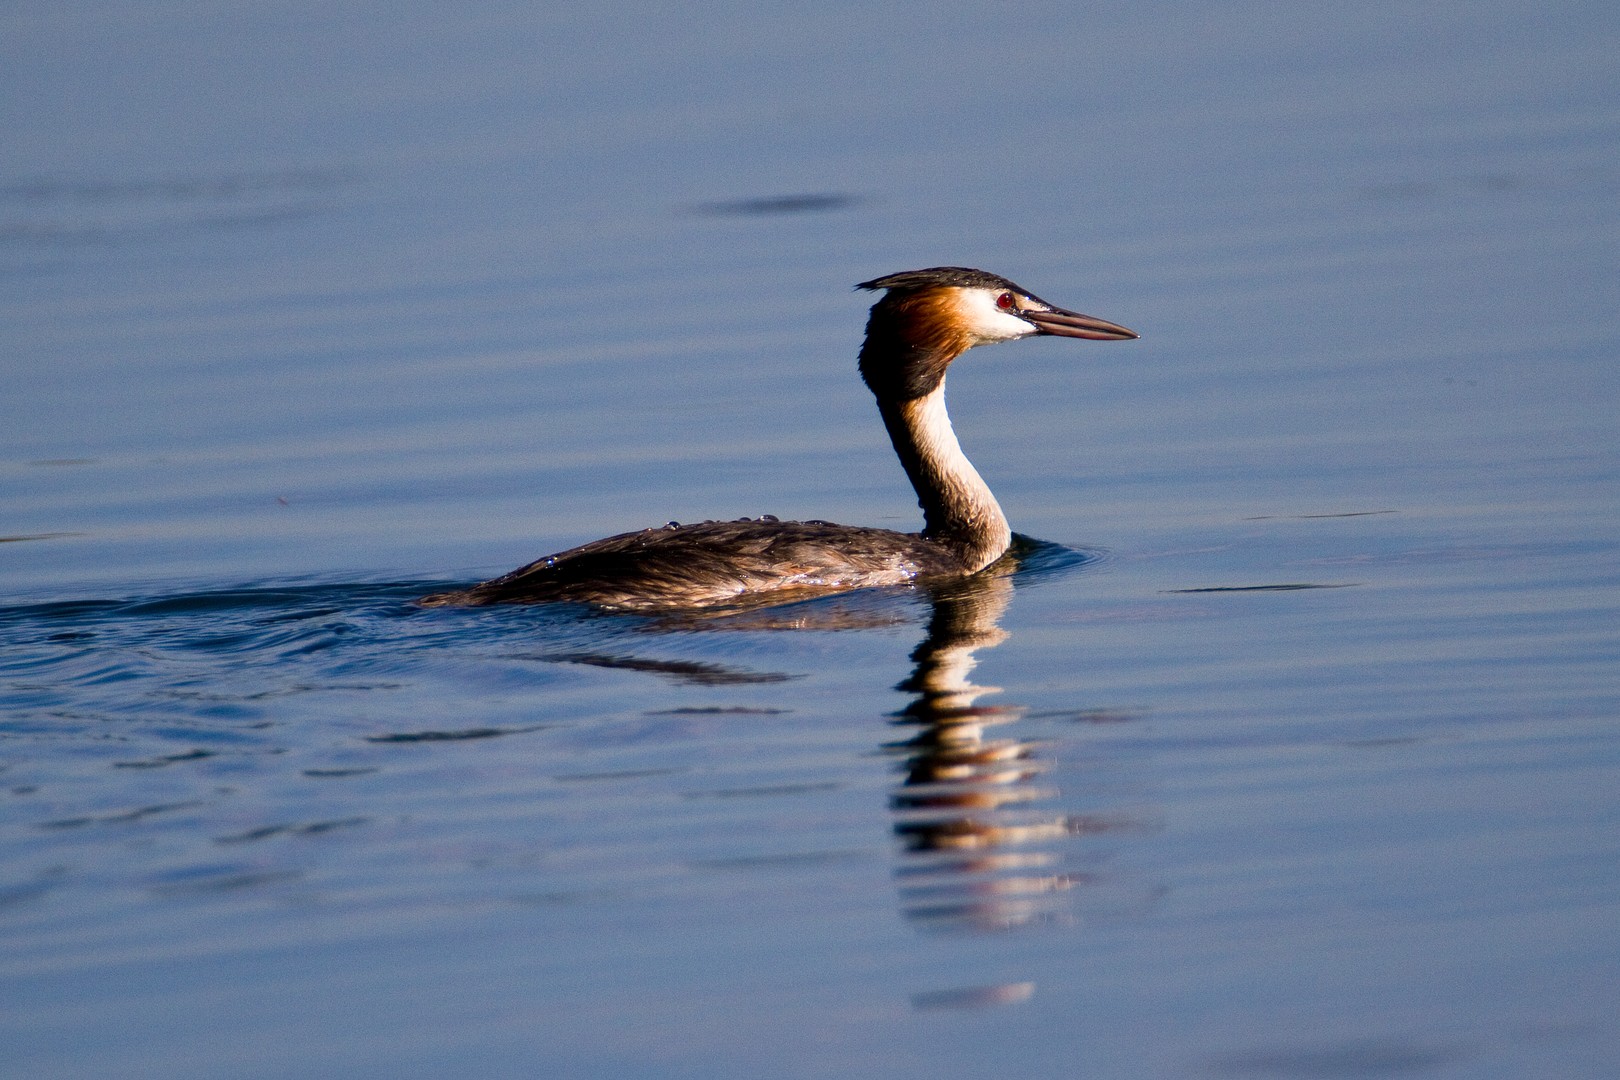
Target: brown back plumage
pixel 711 563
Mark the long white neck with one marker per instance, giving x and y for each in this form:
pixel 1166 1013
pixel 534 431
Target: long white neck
pixel 958 509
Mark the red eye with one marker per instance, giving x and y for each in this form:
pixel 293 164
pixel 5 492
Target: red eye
pixel 1005 301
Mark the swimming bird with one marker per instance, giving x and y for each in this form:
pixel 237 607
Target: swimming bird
pixel 924 320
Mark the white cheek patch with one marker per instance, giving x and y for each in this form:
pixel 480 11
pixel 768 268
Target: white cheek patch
pixel 984 320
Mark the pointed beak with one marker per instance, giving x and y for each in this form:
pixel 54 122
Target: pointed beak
pixel 1060 323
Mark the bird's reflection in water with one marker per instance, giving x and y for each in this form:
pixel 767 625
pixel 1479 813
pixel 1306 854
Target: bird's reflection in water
pixel 975 839
pixel 980 843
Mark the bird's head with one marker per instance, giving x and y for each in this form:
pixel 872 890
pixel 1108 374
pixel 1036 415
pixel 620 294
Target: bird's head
pixel 927 318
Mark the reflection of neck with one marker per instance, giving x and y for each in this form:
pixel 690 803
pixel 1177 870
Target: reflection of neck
pixel 965 619
pixel 959 510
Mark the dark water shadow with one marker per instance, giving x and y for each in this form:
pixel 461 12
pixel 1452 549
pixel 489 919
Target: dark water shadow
pixel 698 673
pixel 293 601
pixel 779 205
pixel 1369 1057
pixel 65 211
pixel 1291 586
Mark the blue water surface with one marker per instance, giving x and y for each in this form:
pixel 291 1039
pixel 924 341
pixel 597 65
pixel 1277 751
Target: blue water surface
pixel 1286 748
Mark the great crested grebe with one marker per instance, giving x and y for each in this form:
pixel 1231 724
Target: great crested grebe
pixel 925 319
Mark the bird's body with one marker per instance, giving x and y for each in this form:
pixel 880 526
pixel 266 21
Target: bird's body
pixel 716 562
pixel 925 320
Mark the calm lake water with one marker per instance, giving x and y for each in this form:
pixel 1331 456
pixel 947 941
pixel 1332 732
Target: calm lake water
pixel 1291 748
